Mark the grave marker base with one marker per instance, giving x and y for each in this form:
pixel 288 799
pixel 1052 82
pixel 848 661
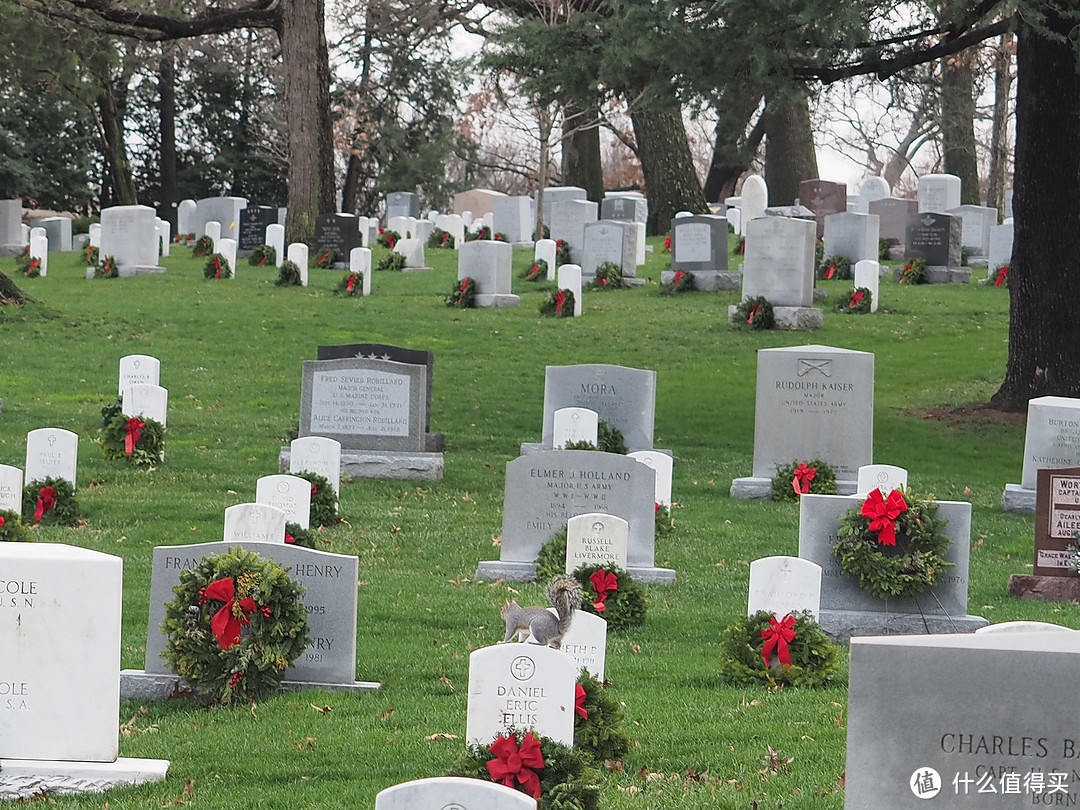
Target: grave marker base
pixel 22 778
pixel 941 275
pixel 400 466
pixel 139 270
pixel 1017 499
pixel 1045 589
pixel 528 448
pixel 752 488
pixel 496 301
pixel 709 280
pixel 11 250
pixel 841 625
pixel 796 319
pixel 526 572
pixel 137 684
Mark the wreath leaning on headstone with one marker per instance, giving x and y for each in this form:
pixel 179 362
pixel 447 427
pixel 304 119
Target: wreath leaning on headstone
pixel 560 304
pixel 611 593
pixel 894 545
pixel 755 313
pixel 556 775
pixel 351 285
pixel 537 271
pixel 29 266
pixel 12 529
pixel 289 275
pixel 682 281
pixel 204 246
pixel 217 266
pixel 393 261
pixel 137 439
pixel 326 259
pixel 858 302
pixel 296 535
pixel 262 256
pixel 802 477
pixel 598 721
pixel 913 272
pixel 50 502
pixel 608 277
pixel 107 268
pixel 835 267
pixel 440 239
pixel 804 655
pixel 324 501
pixel 234 626
pixel 463 293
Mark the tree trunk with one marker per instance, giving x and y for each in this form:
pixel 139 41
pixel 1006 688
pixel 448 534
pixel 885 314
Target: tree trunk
pixel 112 137
pixel 733 149
pixel 306 66
pixel 999 139
pixel 790 157
pixel 1044 332
pixel 10 292
pixel 581 163
pixel 167 199
pixel 671 180
pixel 958 124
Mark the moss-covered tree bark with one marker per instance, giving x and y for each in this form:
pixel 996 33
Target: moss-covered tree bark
pixel 671 180
pixel 958 124
pixel 790 156
pixel 581 164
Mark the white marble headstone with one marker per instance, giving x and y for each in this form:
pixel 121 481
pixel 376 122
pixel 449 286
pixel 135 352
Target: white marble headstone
pixel 546 249
pixel 755 199
pixel 1053 436
pixel 884 477
pixel 360 262
pixel 663 465
pixel 298 255
pixel 596 538
pixel 586 642
pixel 147 401
pixel 227 248
pixel 275 238
pixel 1025 627
pixel 868 276
pixel 254 521
pixel 39 249
pixel 569 276
pixel 139 368
pixel 452 793
pixel 213 230
pixel 289 493
pixel 574 425
pixel 784 585
pixel 11 484
pixel 51 453
pixel 319 455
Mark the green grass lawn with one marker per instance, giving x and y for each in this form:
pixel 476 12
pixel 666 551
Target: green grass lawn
pixel 231 354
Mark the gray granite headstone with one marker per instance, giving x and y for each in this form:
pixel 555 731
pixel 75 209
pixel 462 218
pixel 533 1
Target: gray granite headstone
pixel 699 245
pixel 58 230
pixel 962 721
pixel 893 215
pixel 253 222
pixel 365 404
pixel 489 264
pixel 1001 248
pixel 337 232
pixel 779 261
pixel 852 235
pixel 11 235
pixel 330 599
pixel 627 208
pixel 384 351
pixel 567 223
pixel 402 204
pixel 557 194
pixel 823 197
pixel 934 238
pixel 847 610
pixel 224 210
pixel 624 397
pixel 512 217
pixel 544 490
pixel 975 224
pixel 609 241
pixel 129 235
pixel 1051 441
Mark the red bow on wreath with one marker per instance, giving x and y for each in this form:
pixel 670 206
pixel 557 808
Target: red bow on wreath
pixel 226 623
pixel 603 581
pixel 352 280
pixel 579 700
pixel 134 433
pixel 754 313
pixel 831 271
pixel 856 297
pixel 800 482
pixel 883 514
pixel 1002 274
pixel 46 500
pixel 513 763
pixel 217 267
pixel 464 284
pixel 1 521
pixel 560 299
pixel 776 636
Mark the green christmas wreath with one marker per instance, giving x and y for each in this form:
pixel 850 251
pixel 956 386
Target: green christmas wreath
pixel 392 261
pixel 913 272
pixel 551 559
pixel 608 277
pixel 387 239
pixel 137 439
pixel 536 272
pixel 1001 276
pixel 755 313
pixel 608 440
pixel 351 285
pixel 440 239
pixel 326 259
pixel 835 267
pixel 29 266
pixel 662 517
pixel 289 275
pixel 107 268
pixel 204 246
pixel 12 529
pixel 805 655
pixel 263 255
pixel 814 476
pixel 324 501
pixel 611 593
pixel 110 410
pixel 234 626
pixel 560 304
pixel 299 536
pixel 598 721
pixel 562 252
pixel 463 293
pixel 50 502
pixel 894 545
pixel 682 281
pixel 858 302
pixel 89 255
pixel 556 775
pixel 217 266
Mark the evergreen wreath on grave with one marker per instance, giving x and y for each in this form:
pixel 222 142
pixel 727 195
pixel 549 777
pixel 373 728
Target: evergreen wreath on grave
pixel 89 255
pixel 326 259
pixel 29 266
pixel 608 277
pixel 205 640
pixel 387 239
pixel 562 252
pixel 537 272
pixel 392 261
pixel 137 439
pixel 298 536
pixel 835 267
pixel 805 655
pixel 107 268
pixel 217 266
pixel 662 517
pixel 324 501
pixel 1001 276
pixel 110 410
pixel 611 593
pixel 883 246
pixel 740 246
pixel 204 246
pixel 800 477
pixel 440 239
pixel 598 721
pixel 351 284
pixel 463 293
pixel 262 256
pixel 755 313
pixel 858 302
pixel 560 304
pixel 545 233
pixel 50 502
pixel 476 236
pixel 12 529
pixel 608 440
pixel 913 272
pixel 667 243
pixel 894 545
pixel 556 775
pixel 289 275
pixel 819 251
pixel 682 281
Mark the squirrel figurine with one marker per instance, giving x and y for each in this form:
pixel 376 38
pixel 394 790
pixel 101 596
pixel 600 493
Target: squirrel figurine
pixel 565 596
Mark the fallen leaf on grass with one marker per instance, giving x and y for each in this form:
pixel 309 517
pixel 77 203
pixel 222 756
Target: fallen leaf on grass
pixel 441 735
pixel 386 713
pixel 321 709
pixel 616 766
pixel 446 680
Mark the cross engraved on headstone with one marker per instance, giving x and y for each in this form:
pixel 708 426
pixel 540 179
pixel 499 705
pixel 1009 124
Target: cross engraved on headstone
pixel 807 365
pixel 454 806
pixel 253 513
pixel 598 527
pixel 136 363
pixel 522 668
pixel 52 440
